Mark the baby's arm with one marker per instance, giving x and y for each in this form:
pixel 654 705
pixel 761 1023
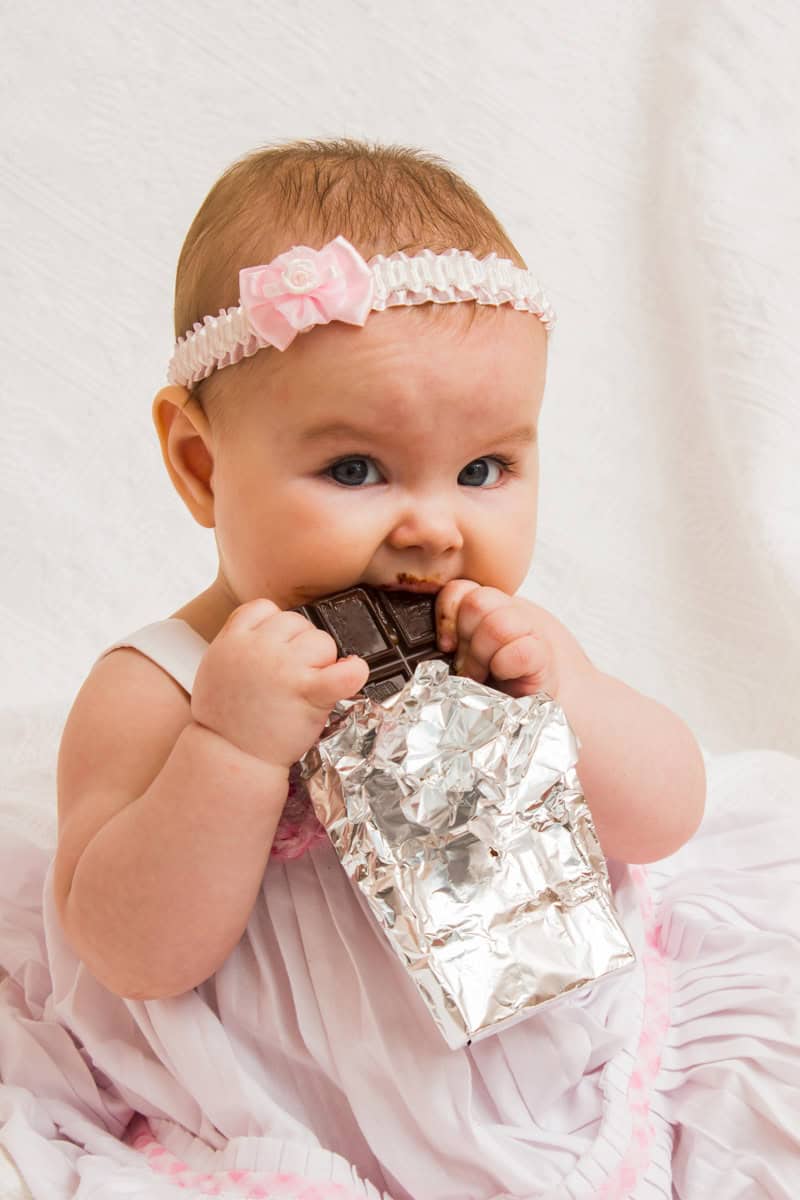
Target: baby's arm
pixel 167 813
pixel 640 768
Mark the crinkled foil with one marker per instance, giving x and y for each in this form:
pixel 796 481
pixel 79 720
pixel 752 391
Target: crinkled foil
pixel 457 812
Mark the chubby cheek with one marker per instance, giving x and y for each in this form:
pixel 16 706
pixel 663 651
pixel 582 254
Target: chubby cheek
pixel 244 559
pixel 504 557
pixel 298 551
pixel 251 543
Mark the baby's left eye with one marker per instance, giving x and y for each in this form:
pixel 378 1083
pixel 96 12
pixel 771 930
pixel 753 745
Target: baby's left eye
pixel 481 471
pixel 352 472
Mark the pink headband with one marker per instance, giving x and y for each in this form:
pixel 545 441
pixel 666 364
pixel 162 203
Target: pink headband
pixel 303 287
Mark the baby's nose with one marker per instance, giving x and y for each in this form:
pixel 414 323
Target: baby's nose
pixel 429 526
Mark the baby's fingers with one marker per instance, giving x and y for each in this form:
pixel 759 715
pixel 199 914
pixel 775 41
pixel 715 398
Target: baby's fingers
pixel 505 623
pixel 526 660
pixel 340 681
pixel 448 603
pixel 524 666
pixel 251 614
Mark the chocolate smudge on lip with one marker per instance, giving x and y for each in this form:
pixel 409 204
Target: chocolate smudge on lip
pixel 404 577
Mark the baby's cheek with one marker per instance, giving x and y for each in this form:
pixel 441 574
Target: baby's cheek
pixel 506 564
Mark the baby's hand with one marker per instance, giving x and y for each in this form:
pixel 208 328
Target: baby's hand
pixel 268 682
pixel 496 636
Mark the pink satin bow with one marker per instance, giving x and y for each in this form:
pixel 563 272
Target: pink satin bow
pixel 305 287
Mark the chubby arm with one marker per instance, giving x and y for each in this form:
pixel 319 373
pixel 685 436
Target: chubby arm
pixel 164 832
pixel 168 805
pixel 640 767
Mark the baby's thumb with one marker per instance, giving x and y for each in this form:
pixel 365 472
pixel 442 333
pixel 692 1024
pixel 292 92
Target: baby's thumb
pixel 340 681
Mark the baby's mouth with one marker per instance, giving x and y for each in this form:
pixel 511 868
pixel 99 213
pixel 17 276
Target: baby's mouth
pixel 411 583
pixel 404 582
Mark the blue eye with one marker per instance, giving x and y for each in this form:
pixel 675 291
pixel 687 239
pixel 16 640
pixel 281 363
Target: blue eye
pixel 479 472
pixel 352 472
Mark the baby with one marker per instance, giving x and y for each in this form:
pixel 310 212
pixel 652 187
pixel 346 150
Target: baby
pixel 353 416
pixel 399 453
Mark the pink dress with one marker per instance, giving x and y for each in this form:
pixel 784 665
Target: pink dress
pixel 308 1066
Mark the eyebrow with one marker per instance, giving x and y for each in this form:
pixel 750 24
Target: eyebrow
pixel 521 434
pixel 335 429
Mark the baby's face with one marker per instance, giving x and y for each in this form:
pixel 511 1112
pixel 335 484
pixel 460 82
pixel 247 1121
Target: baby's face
pixel 400 454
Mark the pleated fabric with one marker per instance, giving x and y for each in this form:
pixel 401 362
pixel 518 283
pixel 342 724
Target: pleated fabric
pixel 309 1066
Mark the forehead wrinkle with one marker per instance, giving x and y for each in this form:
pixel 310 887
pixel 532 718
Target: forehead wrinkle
pixel 417 411
pixel 337 430
pixel 431 387
pixel 393 416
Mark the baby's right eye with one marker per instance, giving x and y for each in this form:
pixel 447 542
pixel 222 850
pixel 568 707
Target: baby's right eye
pixel 352 472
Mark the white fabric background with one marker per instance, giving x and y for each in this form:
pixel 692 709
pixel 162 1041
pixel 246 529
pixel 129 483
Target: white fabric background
pixel 645 158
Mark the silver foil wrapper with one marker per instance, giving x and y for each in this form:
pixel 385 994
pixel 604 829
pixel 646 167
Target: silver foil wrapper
pixel 457 812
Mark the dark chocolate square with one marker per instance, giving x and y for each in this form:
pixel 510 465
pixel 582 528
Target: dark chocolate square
pixel 392 631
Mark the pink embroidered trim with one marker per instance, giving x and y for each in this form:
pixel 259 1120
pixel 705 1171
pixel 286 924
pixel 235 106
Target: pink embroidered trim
pixel 253 1185
pixel 298 829
pixel 657 1002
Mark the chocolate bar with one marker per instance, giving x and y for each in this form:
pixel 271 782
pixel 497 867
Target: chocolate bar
pixel 392 631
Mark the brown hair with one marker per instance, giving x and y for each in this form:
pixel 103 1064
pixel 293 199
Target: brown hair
pixel 381 198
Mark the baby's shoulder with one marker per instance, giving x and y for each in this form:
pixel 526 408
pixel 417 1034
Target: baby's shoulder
pixel 123 723
pixel 122 726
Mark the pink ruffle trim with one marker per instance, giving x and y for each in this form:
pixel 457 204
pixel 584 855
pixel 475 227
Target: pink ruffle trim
pixel 657 1006
pixel 298 828
pixel 252 1185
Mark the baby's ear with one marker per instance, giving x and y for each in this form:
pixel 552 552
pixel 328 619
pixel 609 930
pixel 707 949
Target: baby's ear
pixel 187 449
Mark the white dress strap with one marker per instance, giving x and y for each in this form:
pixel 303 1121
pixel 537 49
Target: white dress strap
pixel 172 644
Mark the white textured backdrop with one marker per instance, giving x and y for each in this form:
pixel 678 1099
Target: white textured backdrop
pixel 644 156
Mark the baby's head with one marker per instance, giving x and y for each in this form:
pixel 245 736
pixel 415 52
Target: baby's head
pixel 397 451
